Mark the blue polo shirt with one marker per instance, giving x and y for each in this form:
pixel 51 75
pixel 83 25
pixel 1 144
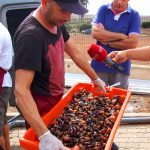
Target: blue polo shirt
pixel 127 23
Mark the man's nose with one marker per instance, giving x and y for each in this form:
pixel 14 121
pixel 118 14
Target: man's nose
pixel 119 1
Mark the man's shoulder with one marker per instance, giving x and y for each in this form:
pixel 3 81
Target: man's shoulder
pixel 28 23
pixel 103 9
pixel 28 27
pixel 105 6
pixel 133 11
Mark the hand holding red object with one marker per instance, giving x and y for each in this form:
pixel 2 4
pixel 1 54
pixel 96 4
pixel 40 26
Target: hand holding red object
pixel 98 53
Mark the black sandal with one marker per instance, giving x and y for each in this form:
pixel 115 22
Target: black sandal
pixel 114 147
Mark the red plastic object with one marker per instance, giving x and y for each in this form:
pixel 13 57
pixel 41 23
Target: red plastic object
pixel 97 52
pixel 29 140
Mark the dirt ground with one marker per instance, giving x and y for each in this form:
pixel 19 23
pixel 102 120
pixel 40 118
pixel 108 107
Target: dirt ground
pixel 138 104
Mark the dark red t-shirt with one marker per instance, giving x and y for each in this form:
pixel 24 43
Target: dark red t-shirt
pixel 39 50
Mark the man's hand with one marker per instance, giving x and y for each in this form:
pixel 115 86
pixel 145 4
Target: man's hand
pixel 50 142
pixel 118 56
pixel 99 25
pixel 99 84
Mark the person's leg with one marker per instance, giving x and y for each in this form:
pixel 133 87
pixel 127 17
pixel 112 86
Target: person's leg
pixel 4 130
pixel 6 136
pixel 119 77
pixel 2 110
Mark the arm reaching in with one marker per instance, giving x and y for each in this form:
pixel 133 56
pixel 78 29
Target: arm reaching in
pixel 78 56
pixel 142 54
pixel 118 56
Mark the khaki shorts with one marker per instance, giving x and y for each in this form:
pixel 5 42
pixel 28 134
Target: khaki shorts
pixel 111 78
pixel 4 98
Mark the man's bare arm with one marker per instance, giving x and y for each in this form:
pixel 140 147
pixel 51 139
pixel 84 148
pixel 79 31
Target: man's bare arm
pixel 26 102
pixel 130 42
pixel 105 36
pixel 142 53
pixel 78 56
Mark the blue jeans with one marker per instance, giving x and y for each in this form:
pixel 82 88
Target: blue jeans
pixel 111 78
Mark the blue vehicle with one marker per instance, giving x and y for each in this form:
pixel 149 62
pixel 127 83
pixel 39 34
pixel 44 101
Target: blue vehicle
pixel 87 31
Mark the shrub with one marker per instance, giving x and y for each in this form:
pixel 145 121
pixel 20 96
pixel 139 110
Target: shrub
pixel 146 24
pixel 85 26
pixel 71 27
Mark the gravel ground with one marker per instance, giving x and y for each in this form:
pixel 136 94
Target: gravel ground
pixel 138 104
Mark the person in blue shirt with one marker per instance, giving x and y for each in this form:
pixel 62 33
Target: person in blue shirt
pixel 115 27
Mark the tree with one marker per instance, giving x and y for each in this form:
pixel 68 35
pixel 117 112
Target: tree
pixel 84 2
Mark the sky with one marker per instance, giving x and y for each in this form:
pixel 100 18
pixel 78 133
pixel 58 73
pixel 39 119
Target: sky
pixel 142 6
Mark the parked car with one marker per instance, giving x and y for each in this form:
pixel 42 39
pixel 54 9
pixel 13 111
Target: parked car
pixel 87 31
pixel 12 13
